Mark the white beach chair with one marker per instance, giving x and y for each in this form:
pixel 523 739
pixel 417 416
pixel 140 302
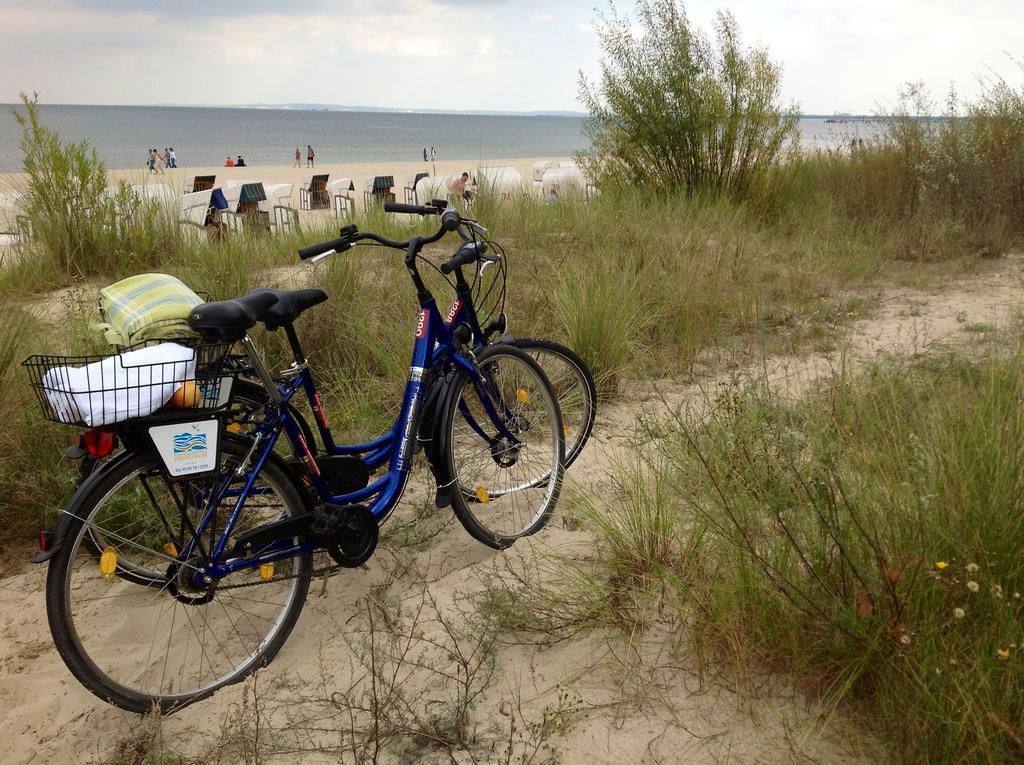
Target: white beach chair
pixel 503 181
pixel 193 212
pixel 539 168
pixel 377 190
pixel 409 189
pixel 429 188
pixel 564 181
pixel 343 203
pixel 313 192
pixel 200 183
pixel 278 206
pixel 15 226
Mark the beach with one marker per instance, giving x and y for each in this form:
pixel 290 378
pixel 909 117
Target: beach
pixel 180 178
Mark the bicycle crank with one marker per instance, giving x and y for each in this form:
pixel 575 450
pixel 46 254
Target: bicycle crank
pixel 349 533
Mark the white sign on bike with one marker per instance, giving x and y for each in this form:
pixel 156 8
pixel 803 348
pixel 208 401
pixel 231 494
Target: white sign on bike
pixel 215 393
pixel 187 447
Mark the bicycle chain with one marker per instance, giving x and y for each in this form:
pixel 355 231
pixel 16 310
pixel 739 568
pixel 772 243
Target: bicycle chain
pixel 331 570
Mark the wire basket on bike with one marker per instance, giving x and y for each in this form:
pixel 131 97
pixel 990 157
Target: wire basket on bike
pixel 104 389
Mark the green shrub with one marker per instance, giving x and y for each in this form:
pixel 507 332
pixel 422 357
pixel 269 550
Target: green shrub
pixel 868 540
pixel 675 112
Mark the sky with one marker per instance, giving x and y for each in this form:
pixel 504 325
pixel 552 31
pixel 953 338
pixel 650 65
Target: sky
pixel 519 55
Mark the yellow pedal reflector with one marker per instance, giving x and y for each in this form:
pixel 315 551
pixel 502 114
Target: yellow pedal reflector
pixel 523 396
pixel 233 427
pixel 170 550
pixel 565 431
pixel 108 563
pixel 266 571
pixel 482 495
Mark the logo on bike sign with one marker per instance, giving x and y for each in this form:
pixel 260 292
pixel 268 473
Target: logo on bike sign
pixel 421 325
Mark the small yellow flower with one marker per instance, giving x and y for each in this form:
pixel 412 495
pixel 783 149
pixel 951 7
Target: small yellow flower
pixel 1003 654
pixel 997 591
pixel 958 613
pixel 905 639
pixel 972 568
pixel 940 565
pixel 972 586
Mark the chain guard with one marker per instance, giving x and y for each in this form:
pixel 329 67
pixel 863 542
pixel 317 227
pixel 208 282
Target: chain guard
pixel 349 533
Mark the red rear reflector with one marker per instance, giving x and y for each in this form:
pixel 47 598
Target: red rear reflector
pixel 99 443
pixel 45 540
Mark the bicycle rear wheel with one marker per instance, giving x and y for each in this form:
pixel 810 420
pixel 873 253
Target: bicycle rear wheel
pixel 152 637
pixel 503 447
pixel 573 385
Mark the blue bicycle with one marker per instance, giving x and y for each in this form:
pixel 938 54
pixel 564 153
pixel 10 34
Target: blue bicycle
pixel 182 564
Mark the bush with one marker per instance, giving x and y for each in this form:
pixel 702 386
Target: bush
pixel 675 111
pixel 868 540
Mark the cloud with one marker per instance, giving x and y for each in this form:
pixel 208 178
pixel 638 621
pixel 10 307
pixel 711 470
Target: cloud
pixel 541 17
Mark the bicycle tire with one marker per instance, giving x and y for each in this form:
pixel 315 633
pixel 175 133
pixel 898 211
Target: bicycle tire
pixel 492 479
pixel 574 387
pixel 93 655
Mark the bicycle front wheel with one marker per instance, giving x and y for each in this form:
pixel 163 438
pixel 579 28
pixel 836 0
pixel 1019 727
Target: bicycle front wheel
pixel 574 388
pixel 133 627
pixel 504 447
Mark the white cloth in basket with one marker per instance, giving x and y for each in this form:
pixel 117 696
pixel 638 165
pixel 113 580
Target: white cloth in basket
pixel 120 387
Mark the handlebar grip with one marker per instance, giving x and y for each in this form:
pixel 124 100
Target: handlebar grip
pixel 340 244
pixel 399 207
pixel 450 219
pixel 467 254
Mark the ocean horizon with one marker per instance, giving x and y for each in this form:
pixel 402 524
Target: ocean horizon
pixel 269 135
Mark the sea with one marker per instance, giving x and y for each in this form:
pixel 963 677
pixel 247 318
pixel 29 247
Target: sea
pixel 205 136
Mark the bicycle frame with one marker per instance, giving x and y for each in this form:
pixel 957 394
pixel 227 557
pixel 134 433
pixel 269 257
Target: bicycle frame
pixel 433 349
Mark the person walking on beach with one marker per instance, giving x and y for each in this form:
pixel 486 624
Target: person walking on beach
pixel 158 160
pixel 151 162
pixel 433 154
pixel 298 158
pixel 310 154
pixel 424 153
pixel 172 158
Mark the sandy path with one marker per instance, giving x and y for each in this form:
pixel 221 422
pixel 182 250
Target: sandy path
pixel 678 717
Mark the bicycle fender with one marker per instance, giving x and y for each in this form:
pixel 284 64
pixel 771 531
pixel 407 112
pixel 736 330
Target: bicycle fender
pixel 69 512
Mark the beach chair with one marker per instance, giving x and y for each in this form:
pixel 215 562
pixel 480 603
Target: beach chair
pixel 564 181
pixel 201 183
pixel 539 168
pixel 342 202
pixel 378 190
pixel 502 181
pixel 278 207
pixel 411 182
pixel 194 214
pixel 15 226
pixel 429 188
pixel 313 193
